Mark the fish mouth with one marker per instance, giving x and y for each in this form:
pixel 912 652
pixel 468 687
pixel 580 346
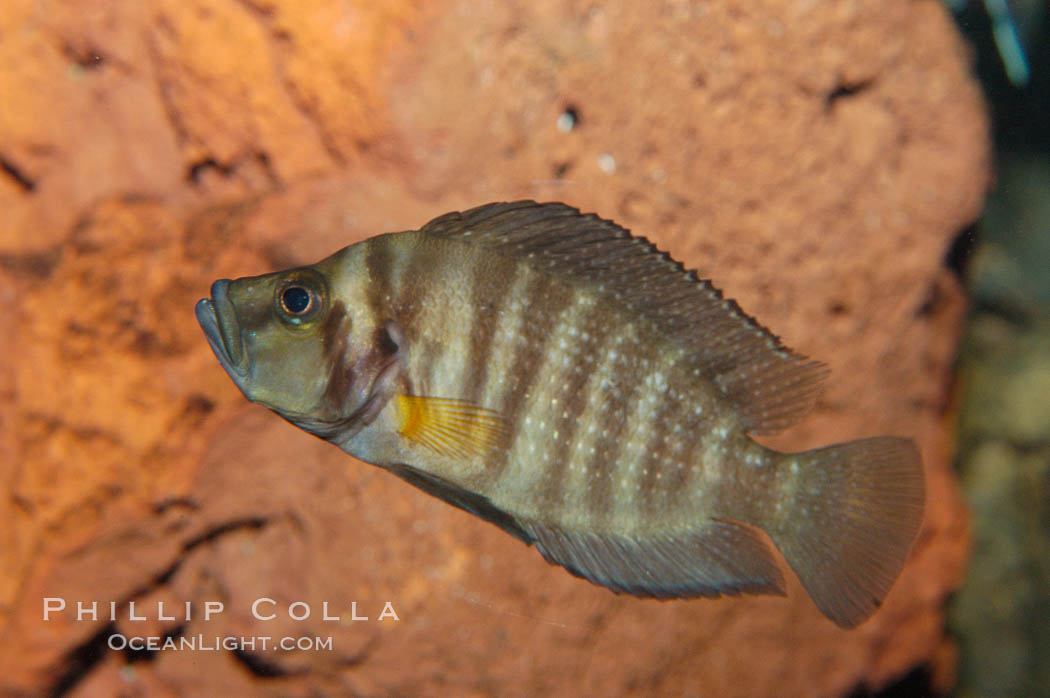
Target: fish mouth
pixel 218 319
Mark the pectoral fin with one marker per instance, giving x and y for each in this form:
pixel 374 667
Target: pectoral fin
pixel 449 427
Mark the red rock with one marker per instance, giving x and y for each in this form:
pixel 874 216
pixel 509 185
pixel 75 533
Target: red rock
pixel 814 160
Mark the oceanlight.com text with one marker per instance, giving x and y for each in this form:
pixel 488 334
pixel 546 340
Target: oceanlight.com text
pixel 214 643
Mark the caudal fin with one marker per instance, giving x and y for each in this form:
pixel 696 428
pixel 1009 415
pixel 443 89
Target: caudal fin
pixel 851 512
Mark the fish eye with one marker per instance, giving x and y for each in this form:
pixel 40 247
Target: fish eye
pixel 296 300
pixel 301 298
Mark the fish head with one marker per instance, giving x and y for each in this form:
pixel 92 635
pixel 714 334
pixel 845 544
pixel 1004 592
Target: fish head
pixel 292 342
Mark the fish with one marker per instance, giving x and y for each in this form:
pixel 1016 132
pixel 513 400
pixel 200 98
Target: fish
pixel 557 376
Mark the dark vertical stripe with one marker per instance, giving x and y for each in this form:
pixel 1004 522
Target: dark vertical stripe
pixel 335 336
pixel 543 301
pixel 612 418
pixel 379 263
pixel 653 490
pixel 605 464
pixel 697 432
pixel 572 403
pixel 421 271
pixel 421 262
pixel 491 282
pixel 333 331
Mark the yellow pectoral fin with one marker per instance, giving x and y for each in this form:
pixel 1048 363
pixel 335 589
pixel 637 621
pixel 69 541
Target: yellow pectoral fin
pixel 450 427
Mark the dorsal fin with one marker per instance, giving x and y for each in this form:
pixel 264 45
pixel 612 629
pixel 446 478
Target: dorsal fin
pixel 772 386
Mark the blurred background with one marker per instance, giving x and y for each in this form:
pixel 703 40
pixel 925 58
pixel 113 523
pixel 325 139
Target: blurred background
pixel 825 164
pixel 1001 615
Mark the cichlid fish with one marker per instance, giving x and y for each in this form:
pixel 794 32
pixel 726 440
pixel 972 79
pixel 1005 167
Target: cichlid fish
pixel 566 381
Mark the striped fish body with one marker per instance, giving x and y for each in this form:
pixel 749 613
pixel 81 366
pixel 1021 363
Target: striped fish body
pixel 599 426
pixel 561 378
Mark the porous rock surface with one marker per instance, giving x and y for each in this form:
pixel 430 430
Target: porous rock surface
pixel 814 159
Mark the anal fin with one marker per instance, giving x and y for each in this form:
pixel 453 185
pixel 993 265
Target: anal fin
pixel 717 557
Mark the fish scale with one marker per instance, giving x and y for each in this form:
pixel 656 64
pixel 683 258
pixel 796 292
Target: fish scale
pixel 563 379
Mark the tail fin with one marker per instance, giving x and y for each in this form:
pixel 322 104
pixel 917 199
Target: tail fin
pixel 850 516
